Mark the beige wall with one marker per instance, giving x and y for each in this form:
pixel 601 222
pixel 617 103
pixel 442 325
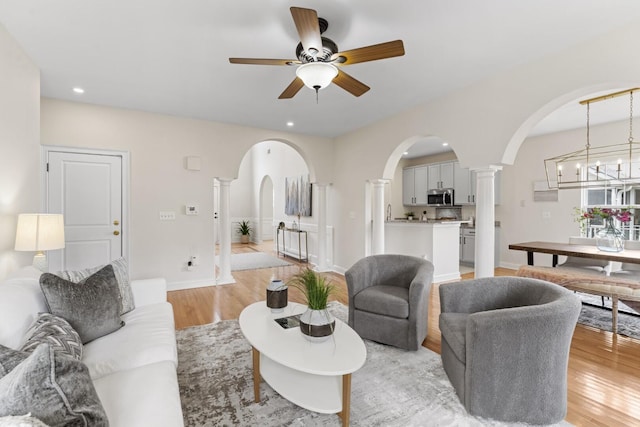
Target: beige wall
pixel 521 218
pixel 158 145
pixel 485 124
pixel 19 147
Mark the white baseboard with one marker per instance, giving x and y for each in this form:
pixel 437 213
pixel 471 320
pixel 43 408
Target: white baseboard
pixel 446 277
pixel 192 284
pixel 510 265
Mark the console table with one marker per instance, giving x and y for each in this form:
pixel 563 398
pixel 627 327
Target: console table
pixel 290 253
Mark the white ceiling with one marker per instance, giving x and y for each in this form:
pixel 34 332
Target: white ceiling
pixel 171 56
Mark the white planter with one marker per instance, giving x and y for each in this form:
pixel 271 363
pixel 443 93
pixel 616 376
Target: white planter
pixel 317 325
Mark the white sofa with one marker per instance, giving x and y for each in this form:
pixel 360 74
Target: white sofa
pixel 133 369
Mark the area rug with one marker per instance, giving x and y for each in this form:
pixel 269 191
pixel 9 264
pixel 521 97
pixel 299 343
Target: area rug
pixel 255 260
pixel 394 388
pixel 600 318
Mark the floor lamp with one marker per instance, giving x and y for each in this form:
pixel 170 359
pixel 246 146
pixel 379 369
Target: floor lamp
pixel 40 232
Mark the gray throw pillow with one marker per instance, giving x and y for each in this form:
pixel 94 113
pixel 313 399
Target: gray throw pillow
pixel 91 307
pixel 57 332
pixel 121 270
pixel 9 359
pixel 54 388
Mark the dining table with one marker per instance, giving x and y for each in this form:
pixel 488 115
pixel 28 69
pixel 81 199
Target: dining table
pixel 570 249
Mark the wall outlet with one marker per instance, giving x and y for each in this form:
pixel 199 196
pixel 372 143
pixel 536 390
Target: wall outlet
pixel 167 215
pixel 195 259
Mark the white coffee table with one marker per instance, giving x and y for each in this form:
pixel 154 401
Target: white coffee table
pixel 314 376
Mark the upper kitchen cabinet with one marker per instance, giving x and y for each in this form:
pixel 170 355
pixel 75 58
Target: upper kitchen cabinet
pixel 414 186
pixel 465 186
pixel 441 175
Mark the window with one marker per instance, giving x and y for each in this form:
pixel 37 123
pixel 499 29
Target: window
pixel 614 197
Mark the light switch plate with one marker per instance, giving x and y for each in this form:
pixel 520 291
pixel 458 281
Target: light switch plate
pixel 167 215
pixel 191 210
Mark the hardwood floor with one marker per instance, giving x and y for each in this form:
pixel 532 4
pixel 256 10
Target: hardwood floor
pixel 604 369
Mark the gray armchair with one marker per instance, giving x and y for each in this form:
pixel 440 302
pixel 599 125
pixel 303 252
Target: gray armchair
pixel 389 299
pixel 505 346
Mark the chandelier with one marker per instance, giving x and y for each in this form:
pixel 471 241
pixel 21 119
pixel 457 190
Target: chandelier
pixel 602 166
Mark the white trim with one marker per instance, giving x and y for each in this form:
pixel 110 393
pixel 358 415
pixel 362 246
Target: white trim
pixel 192 284
pixel 126 184
pixel 510 265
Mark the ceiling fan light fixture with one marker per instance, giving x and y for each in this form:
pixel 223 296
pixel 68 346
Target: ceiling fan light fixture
pixel 317 75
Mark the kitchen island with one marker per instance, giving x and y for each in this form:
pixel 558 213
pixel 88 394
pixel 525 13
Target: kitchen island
pixel 437 241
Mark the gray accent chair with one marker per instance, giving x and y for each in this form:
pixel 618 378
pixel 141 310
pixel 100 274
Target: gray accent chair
pixel 389 299
pixel 505 346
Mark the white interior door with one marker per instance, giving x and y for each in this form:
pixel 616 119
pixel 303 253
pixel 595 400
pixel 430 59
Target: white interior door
pixel 87 190
pixel 216 212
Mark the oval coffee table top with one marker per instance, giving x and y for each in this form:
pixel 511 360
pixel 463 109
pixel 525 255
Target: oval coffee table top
pixel 341 354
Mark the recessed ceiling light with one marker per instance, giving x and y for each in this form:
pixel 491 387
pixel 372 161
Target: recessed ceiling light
pixel 444 144
pixel 78 90
pixel 406 153
pixel 290 124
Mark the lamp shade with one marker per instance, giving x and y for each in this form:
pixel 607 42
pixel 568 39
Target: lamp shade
pixel 39 232
pixel 317 75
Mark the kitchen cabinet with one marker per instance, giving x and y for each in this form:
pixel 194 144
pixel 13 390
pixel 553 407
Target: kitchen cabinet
pixel 441 175
pixel 414 186
pixel 465 186
pixel 468 247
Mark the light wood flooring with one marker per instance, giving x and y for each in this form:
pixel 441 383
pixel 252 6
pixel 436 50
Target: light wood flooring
pixel 604 368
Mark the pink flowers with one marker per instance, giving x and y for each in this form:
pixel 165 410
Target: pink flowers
pixel 623 215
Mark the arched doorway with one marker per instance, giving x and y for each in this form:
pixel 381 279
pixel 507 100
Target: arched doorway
pixel 266 210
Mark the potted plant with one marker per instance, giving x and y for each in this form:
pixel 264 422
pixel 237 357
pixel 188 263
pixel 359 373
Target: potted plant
pixel 316 323
pixel 409 215
pixel 245 230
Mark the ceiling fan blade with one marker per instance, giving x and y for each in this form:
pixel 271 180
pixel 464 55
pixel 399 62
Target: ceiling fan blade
pixel 292 89
pixel 351 85
pixel 257 61
pixel 370 53
pixel 306 21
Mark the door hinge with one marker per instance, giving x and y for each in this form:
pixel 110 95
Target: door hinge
pixel 47 166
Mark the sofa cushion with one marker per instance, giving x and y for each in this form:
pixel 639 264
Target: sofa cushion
pixel 57 332
pixel 91 307
pixel 121 271
pixel 20 302
pixel 21 421
pixel 149 337
pixel 388 300
pixel 145 396
pixel 453 327
pixel 52 387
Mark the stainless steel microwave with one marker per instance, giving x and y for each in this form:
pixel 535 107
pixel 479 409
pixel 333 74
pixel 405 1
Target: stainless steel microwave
pixel 440 197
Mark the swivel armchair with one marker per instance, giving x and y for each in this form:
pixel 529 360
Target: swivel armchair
pixel 505 346
pixel 389 299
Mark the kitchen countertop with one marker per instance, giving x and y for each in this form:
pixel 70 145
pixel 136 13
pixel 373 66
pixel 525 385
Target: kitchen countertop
pixel 429 221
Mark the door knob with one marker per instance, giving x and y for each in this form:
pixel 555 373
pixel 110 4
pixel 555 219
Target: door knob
pixel 116 233
pixel 116 222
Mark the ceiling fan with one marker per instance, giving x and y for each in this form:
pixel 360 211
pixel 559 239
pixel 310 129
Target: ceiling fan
pixel 319 59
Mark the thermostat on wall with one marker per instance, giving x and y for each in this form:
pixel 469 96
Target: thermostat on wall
pixel 191 209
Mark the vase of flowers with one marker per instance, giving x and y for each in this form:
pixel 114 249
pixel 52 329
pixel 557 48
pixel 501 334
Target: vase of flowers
pixel 609 238
pixel 316 324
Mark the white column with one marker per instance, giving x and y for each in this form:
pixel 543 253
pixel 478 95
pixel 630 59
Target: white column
pixel 321 189
pixel 224 273
pixel 485 221
pixel 377 234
